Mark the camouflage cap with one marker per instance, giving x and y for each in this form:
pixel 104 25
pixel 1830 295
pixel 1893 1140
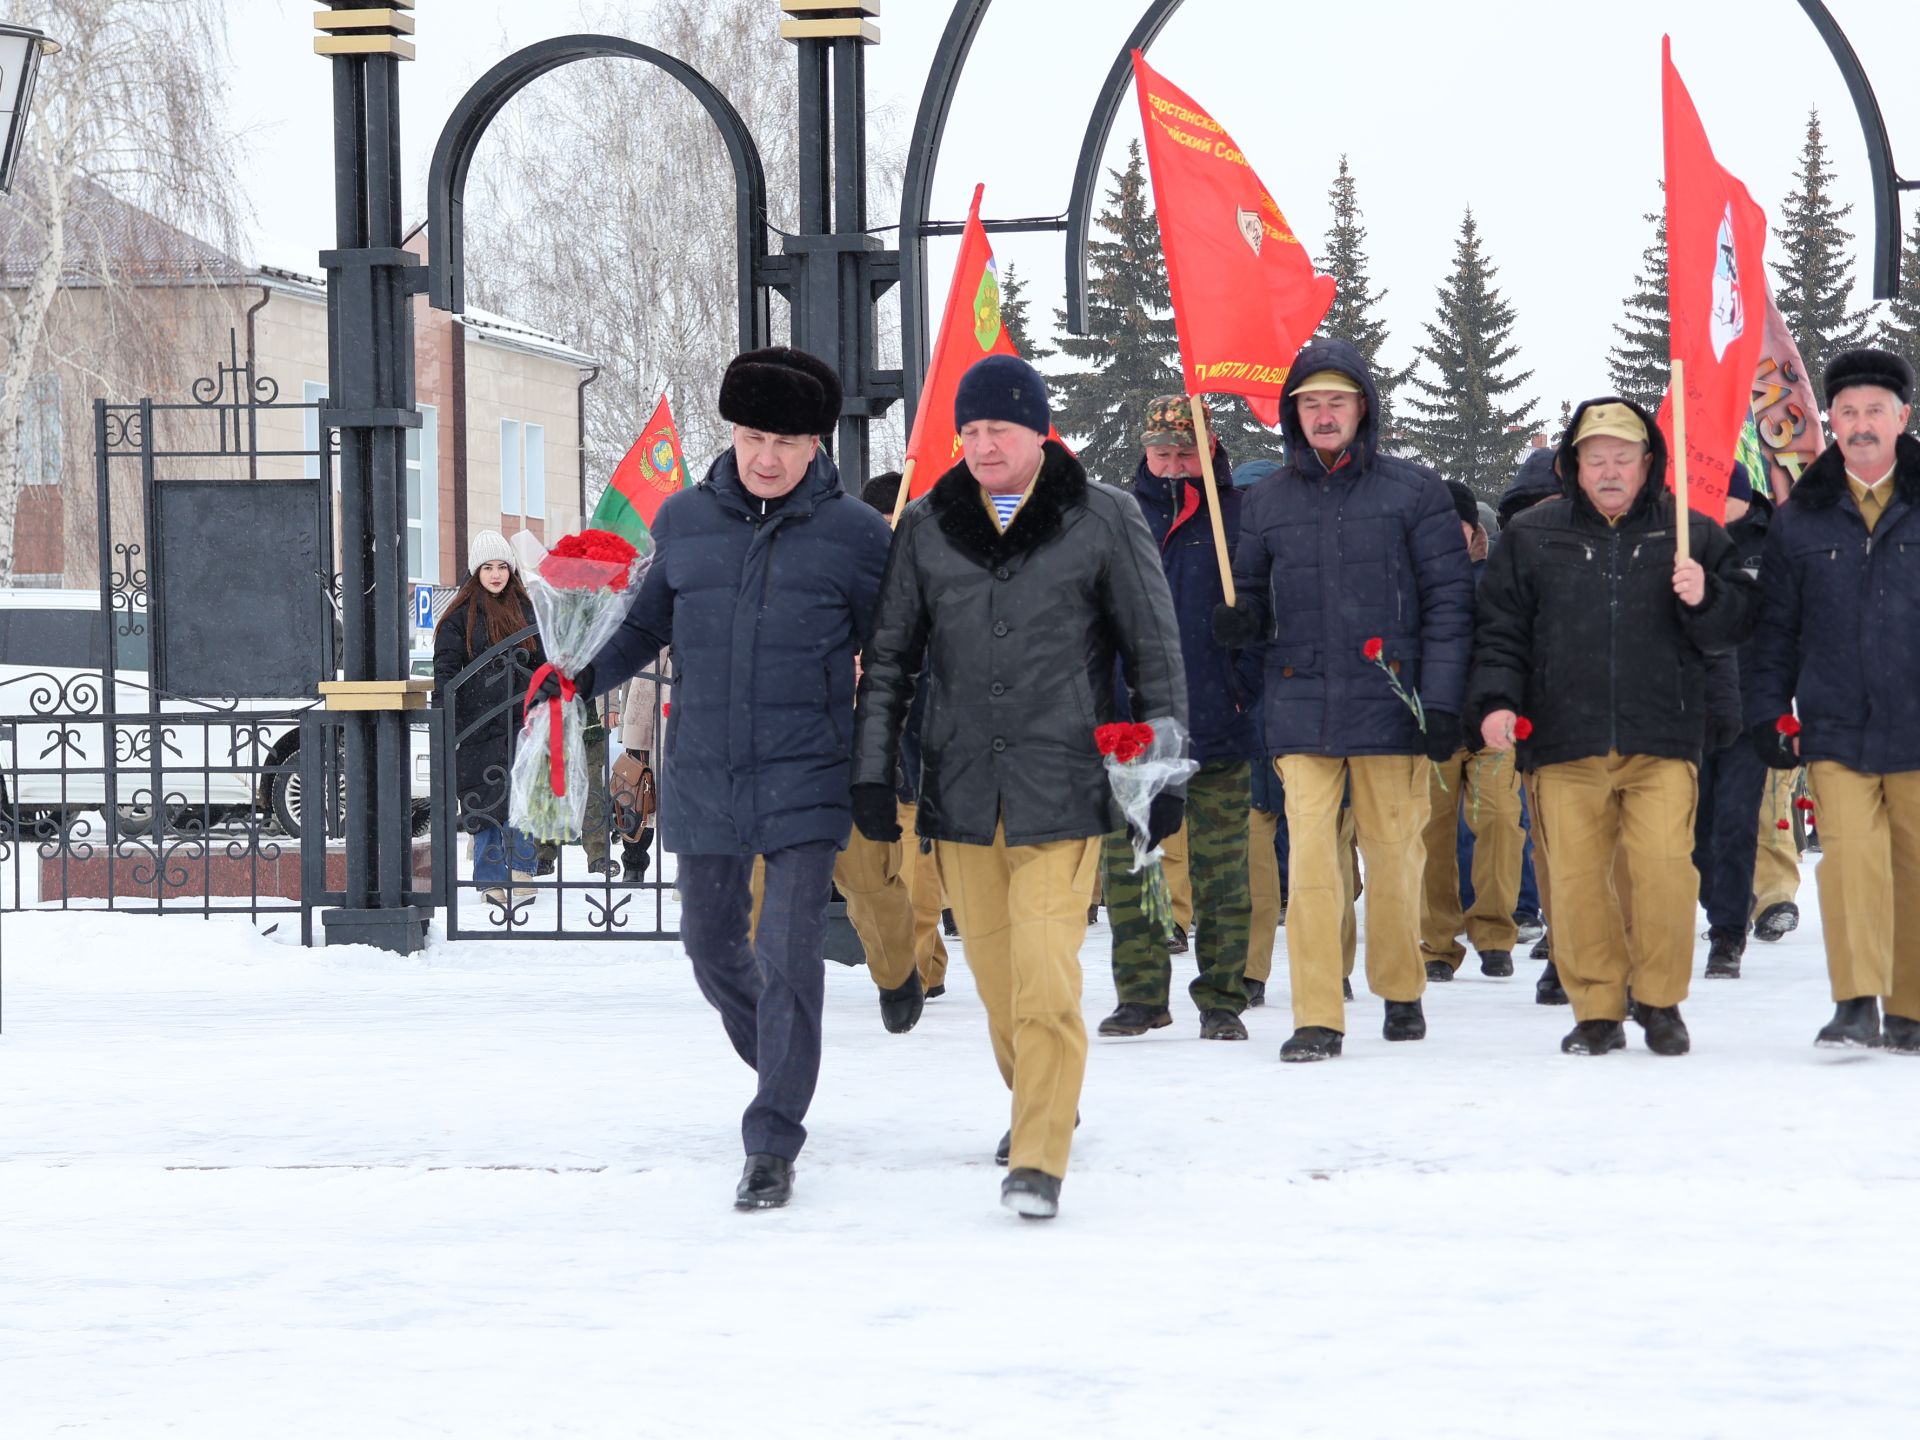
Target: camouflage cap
pixel 1170 420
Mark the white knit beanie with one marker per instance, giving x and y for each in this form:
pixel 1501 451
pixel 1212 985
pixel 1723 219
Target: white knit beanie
pixel 488 545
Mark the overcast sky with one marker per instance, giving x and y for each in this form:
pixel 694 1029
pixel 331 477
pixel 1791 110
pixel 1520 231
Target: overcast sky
pixel 1544 117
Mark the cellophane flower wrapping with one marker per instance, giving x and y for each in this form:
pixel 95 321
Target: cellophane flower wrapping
pixel 1137 773
pixel 580 591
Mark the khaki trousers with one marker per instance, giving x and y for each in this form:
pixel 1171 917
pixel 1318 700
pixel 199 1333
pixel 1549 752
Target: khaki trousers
pixel 1481 788
pixel 1176 866
pixel 1605 942
pixel 1022 915
pixel 923 884
pixel 1259 951
pixel 1869 883
pixel 1263 887
pixel 1389 809
pixel 1541 866
pixel 1776 864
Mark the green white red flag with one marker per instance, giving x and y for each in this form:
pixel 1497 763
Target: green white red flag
pixel 651 471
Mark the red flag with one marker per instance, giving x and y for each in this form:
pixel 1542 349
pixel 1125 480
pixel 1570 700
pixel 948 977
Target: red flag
pixel 652 470
pixel 1245 298
pixel 1715 294
pixel 970 330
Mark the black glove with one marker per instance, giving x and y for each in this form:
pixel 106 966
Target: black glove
pixel 1443 735
pixel 1776 750
pixel 549 687
pixel 876 813
pixel 1722 731
pixel 1235 626
pixel 1164 816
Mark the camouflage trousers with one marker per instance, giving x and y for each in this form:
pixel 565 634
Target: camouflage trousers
pixel 1217 799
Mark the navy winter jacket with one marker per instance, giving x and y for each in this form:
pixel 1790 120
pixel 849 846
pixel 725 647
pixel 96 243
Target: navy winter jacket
pixel 1837 640
pixel 1222 685
pixel 764 609
pixel 1331 559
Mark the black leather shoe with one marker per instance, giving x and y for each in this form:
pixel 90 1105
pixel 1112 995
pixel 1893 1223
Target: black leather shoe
pixel 1346 988
pixel 1854 1023
pixel 1544 949
pixel 1776 920
pixel 1531 928
pixel 1221 1025
pixel 1548 990
pixel 766 1184
pixel 1031 1194
pixel 1497 963
pixel 947 927
pixel 1594 1037
pixel 1131 1019
pixel 900 1007
pixel 1311 1042
pixel 1177 942
pixel 934 992
pixel 1900 1035
pixel 1256 993
pixel 1666 1031
pixel 1439 971
pixel 1405 1021
pixel 1723 957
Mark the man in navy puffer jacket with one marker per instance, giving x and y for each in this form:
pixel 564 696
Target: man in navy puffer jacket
pixel 1352 564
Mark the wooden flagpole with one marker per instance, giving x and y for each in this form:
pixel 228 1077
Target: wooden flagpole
pixel 1680 460
pixel 900 500
pixel 1205 443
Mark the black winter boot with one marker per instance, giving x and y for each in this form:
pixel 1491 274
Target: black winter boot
pixel 1438 972
pixel 1666 1031
pixel 1221 1025
pixel 1031 1194
pixel 951 930
pixel 1311 1042
pixel 1776 920
pixel 1256 993
pixel 1901 1035
pixel 1346 988
pixel 1855 1022
pixel 1497 963
pixel 766 1183
pixel 1548 990
pixel 1544 949
pixel 1594 1037
pixel 1723 955
pixel 1405 1021
pixel 900 1007
pixel 1129 1018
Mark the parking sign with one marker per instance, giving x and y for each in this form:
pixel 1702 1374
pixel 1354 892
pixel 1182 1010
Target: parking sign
pixel 423 607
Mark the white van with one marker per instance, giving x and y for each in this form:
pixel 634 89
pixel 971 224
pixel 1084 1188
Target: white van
pixel 53 751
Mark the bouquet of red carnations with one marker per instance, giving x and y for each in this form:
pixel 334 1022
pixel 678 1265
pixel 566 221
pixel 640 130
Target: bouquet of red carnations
pixel 1142 760
pixel 579 594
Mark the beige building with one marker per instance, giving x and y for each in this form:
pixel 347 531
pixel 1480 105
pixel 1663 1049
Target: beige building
pixel 500 403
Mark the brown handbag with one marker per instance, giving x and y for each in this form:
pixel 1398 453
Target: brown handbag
pixel 635 798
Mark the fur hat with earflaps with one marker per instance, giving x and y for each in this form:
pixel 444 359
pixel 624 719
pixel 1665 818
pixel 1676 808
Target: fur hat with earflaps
pixel 782 391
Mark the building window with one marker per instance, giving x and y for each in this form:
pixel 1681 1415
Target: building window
pixel 423 499
pixel 523 470
pixel 40 431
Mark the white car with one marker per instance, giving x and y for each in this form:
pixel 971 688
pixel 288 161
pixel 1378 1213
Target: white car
pixel 54 739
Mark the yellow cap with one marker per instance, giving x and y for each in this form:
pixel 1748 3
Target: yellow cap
pixel 1619 421
pixel 1329 380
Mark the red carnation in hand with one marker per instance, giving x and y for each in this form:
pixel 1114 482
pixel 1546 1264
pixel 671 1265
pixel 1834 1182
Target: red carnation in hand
pixel 1522 727
pixel 1787 725
pixel 609 561
pixel 1783 825
pixel 1373 648
pixel 1123 740
pixel 1803 803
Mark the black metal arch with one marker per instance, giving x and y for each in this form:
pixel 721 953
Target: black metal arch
pixel 1887 183
pixel 447 180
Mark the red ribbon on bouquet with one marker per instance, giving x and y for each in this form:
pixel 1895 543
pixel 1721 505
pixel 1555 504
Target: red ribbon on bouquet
pixel 556 752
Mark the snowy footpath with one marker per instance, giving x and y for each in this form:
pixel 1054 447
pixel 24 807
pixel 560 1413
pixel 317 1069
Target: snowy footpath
pixel 249 1190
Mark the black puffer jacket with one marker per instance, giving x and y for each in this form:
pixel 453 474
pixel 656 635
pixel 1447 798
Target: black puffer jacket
pixel 1013 638
pixel 1579 629
pixel 486 710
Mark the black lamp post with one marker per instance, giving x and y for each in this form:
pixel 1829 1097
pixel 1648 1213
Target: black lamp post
pixel 21 47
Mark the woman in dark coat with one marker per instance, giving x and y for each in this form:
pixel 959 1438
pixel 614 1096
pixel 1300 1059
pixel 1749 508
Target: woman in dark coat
pixel 490 607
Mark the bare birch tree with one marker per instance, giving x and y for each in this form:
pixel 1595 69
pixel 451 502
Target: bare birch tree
pixel 601 208
pixel 128 114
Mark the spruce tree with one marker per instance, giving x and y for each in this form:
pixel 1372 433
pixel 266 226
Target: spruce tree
pixel 1815 270
pixel 1637 365
pixel 1355 314
pixel 1013 315
pixel 1459 426
pixel 1899 328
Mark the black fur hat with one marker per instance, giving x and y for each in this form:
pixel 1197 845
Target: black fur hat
pixel 781 391
pixel 1869 367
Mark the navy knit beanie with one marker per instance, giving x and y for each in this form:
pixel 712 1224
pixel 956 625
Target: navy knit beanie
pixel 1002 387
pixel 1739 485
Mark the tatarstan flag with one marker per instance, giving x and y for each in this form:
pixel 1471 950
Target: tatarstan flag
pixel 652 470
pixel 970 330
pixel 1716 295
pixel 1245 297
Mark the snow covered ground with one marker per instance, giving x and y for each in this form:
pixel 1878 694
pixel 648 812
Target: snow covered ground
pixel 250 1190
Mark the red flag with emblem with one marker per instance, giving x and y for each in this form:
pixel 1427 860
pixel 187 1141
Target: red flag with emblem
pixel 1245 295
pixel 651 471
pixel 1716 295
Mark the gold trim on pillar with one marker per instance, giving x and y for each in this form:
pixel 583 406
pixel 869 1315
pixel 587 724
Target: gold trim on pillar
pixel 865 31
pixel 387 19
pixel 831 7
pixel 375 694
